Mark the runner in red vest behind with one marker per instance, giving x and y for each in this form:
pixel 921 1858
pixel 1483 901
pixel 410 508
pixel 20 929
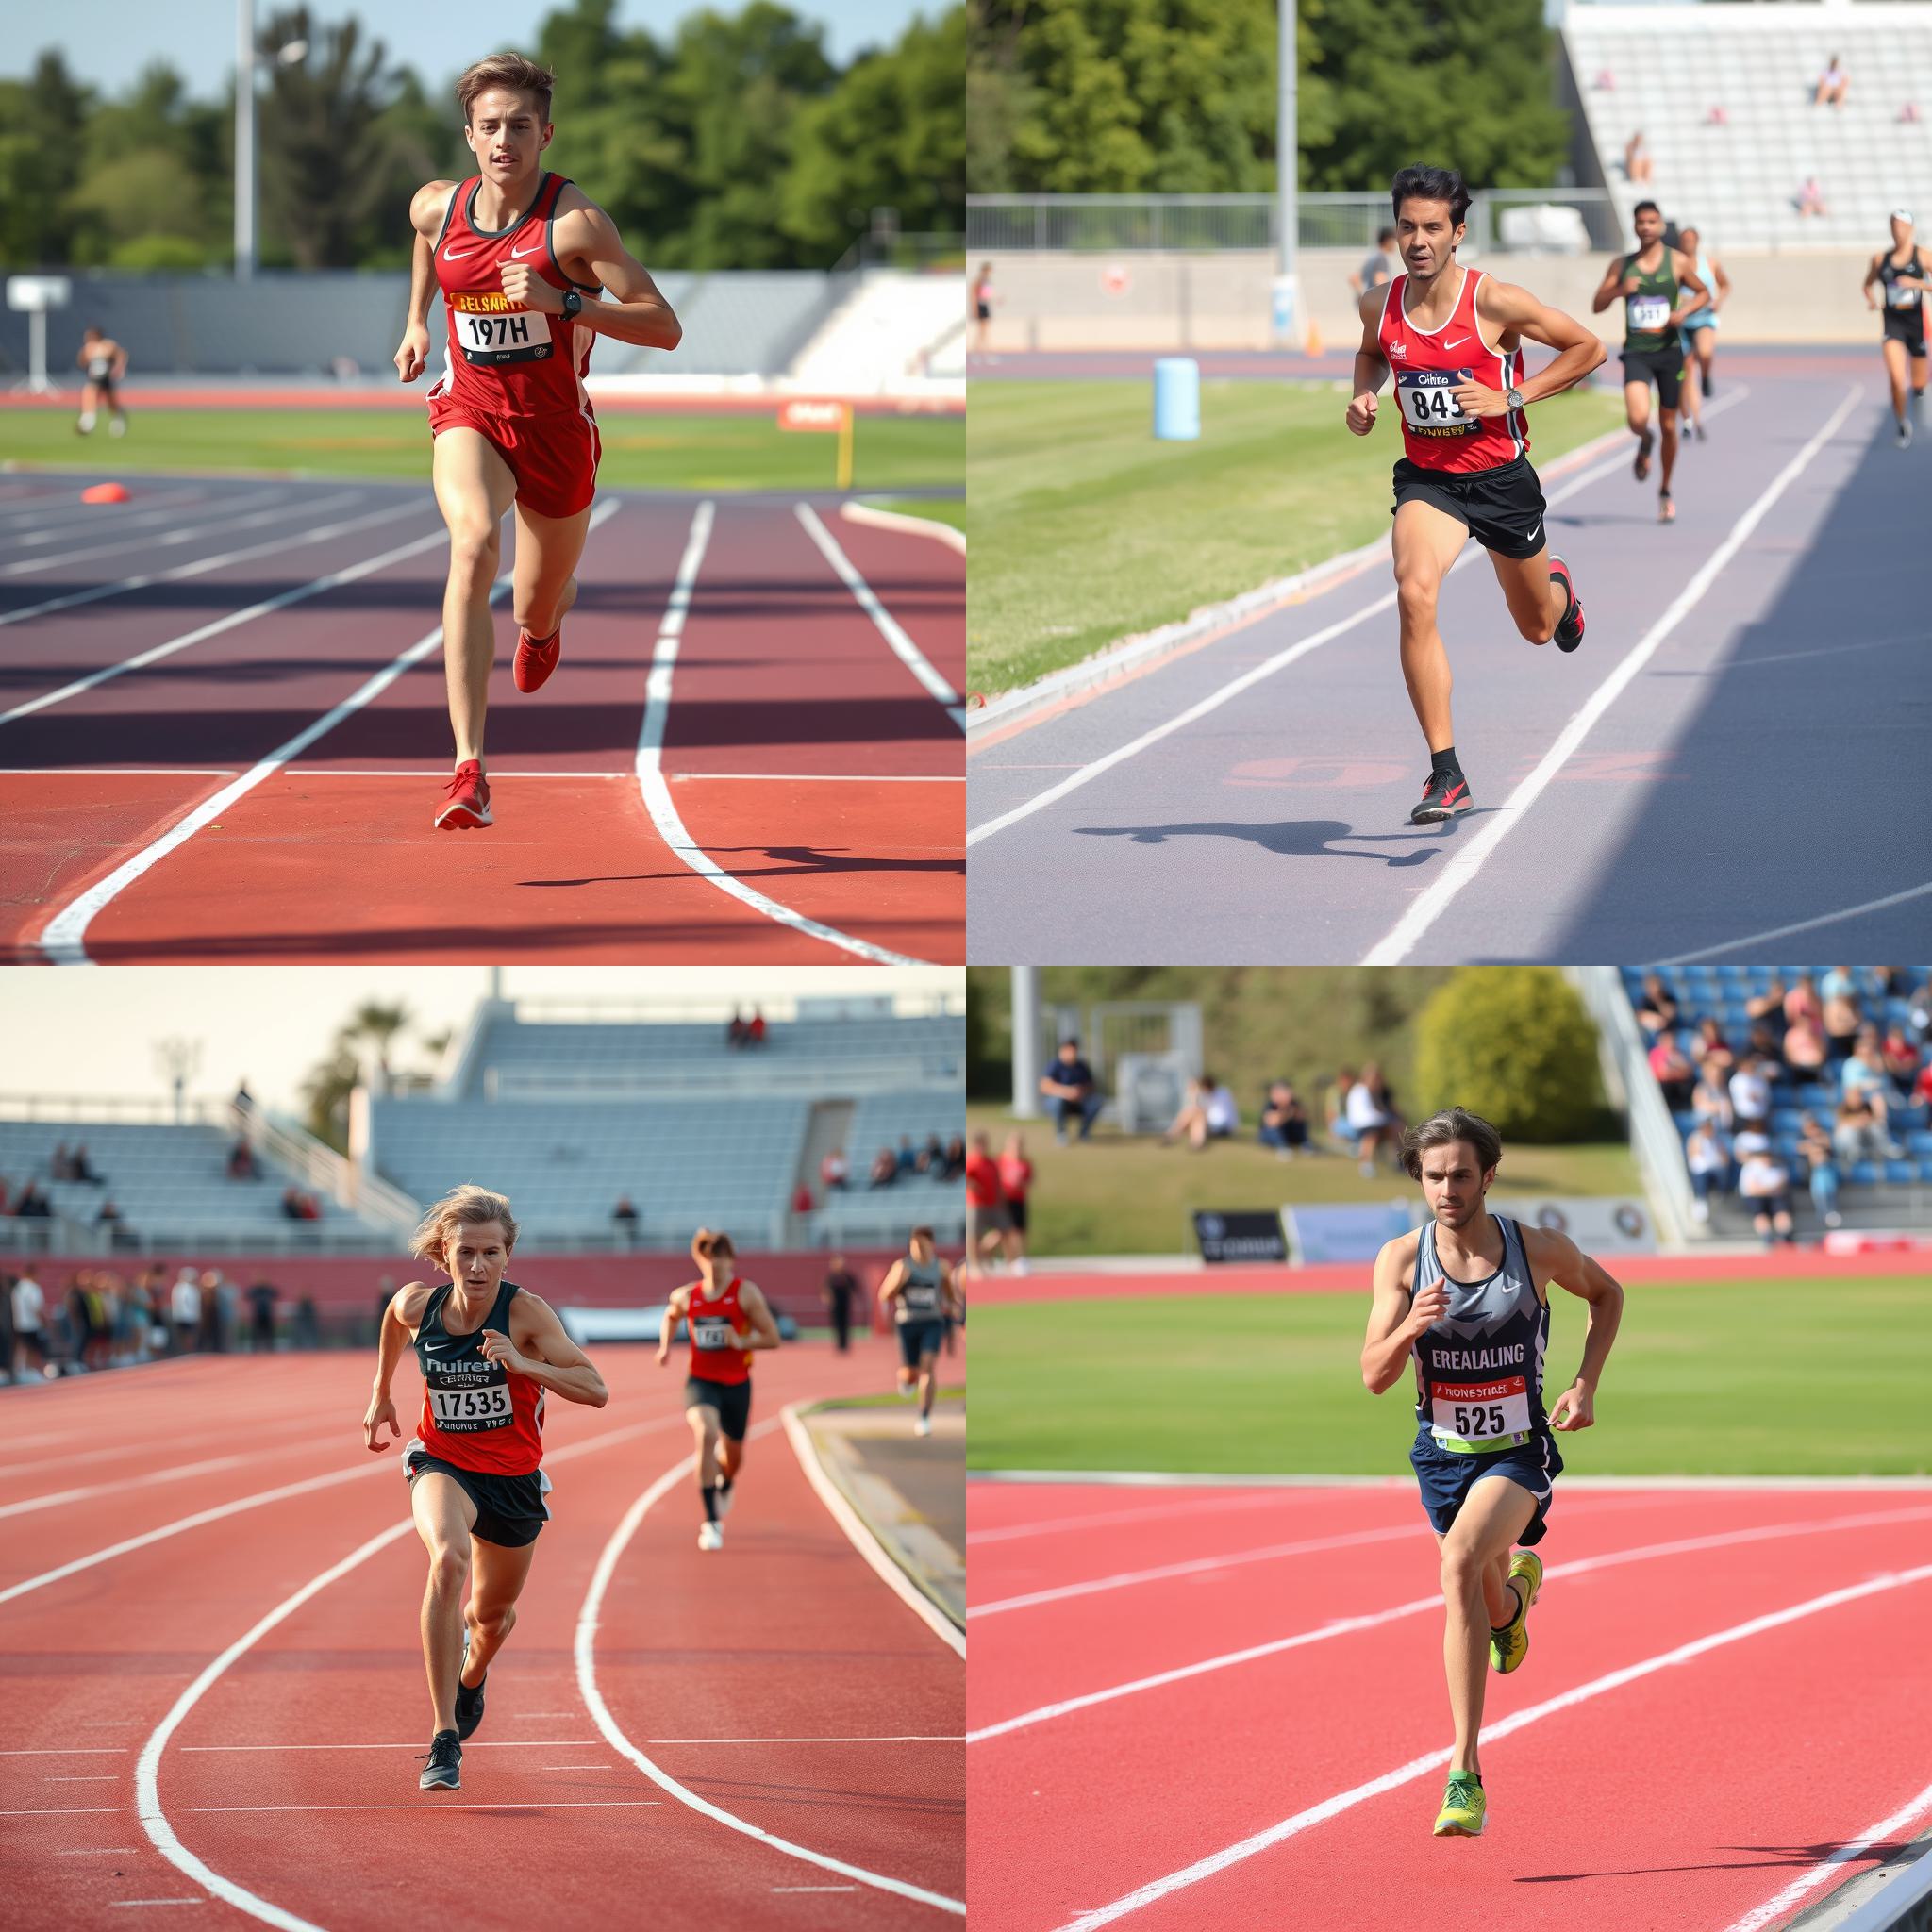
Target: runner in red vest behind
pixel 729 1318
pixel 488 1351
pixel 1453 339
pixel 520 256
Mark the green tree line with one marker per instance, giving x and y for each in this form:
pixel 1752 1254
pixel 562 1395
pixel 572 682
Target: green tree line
pixel 731 141
pixel 1177 96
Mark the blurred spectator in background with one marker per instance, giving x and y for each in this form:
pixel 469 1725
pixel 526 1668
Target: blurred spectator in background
pixel 1863 1077
pixel 1843 1017
pixel 307 1332
pixel 5 1207
pixel 242 1159
pixel 1810 197
pixel 1209 1113
pixel 834 1175
pixel 1375 1121
pixel 1070 1086
pixel 842 1285
pixel 755 1033
pixel 217 1312
pixel 1712 1045
pixel 1708 1157
pixel 1750 1093
pixel 1921 1014
pixel 83 1168
pixel 108 1214
pixel 909 1156
pixel 1710 1099
pixel 885 1168
pixel 1765 1184
pixel 1801 1002
pixel 1805 1052
pixel 1821 1157
pixel 1856 1133
pixel 986 1212
pixel 1832 85
pixel 1383 265
pixel 82 1317
pixel 735 1033
pixel 1838 983
pixel 1637 161
pixel 33 1205
pixel 261 1317
pixel 1657 1012
pixel 60 1164
pixel 1922 1090
pixel 1016 1183
pixel 1901 1058
pixel 291 1200
pixel 6 1326
pixel 1674 1077
pixel 625 1218
pixel 955 1168
pixel 1767 1044
pixel 802 1202
pixel 29 1309
pixel 1284 1121
pixel 1341 1133
pixel 1768 1004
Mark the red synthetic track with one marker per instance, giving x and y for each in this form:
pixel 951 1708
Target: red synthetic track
pixel 1677 1801
pixel 784 1634
pixel 789 713
pixel 606 402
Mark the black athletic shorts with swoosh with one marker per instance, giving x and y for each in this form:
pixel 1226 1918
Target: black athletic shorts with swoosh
pixel 1501 507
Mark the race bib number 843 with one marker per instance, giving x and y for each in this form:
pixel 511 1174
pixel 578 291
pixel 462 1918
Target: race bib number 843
pixel 1479 1412
pixel 1428 405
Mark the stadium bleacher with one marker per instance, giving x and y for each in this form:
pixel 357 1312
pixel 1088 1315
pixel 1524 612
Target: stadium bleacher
pixel 1874 1194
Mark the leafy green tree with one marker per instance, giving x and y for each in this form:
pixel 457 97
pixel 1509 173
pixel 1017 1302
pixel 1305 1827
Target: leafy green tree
pixel 40 163
pixel 1514 1044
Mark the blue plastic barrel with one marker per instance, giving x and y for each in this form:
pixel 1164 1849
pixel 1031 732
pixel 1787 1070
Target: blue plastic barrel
pixel 1176 399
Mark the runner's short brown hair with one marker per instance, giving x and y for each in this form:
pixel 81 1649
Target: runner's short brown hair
pixel 506 70
pixel 1453 1123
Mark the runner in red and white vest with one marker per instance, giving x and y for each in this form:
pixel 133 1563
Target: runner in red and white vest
pixel 520 256
pixel 1453 338
pixel 728 1319
pixel 490 1352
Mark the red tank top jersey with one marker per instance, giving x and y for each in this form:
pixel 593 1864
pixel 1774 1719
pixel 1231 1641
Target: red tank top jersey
pixel 713 1357
pixel 476 1413
pixel 510 361
pixel 1429 363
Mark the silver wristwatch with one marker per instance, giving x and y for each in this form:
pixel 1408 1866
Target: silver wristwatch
pixel 1514 398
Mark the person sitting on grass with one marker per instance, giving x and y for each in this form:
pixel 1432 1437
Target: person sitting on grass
pixel 1373 1118
pixel 1072 1091
pixel 1284 1121
pixel 1209 1114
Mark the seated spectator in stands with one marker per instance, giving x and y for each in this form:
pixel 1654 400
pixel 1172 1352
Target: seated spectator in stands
pixel 1821 1157
pixel 1801 1002
pixel 932 1158
pixel 83 1168
pixel 1708 1157
pixel 885 1168
pixel 262 1318
pixel 1070 1087
pixel 1856 1133
pixel 1843 1019
pixel 292 1204
pixel 241 1160
pixel 1284 1120
pixel 834 1174
pixel 1909 112
pixel 60 1164
pixel 1863 1077
pixel 1374 1119
pixel 625 1215
pixel 755 1032
pixel 1657 1012
pixel 735 1033
pixel 1832 85
pixel 1838 984
pixel 1922 1089
pixel 1892 982
pixel 33 1205
pixel 1209 1113
pixel 1759 1006
pixel 1717 117
pixel 1810 197
pixel 1637 162
pixel 802 1202
pixel 1765 1183
pixel 1674 1077
pixel 108 1214
pixel 311 1208
pixel 1767 1044
pixel 1805 1052
pixel 1712 1045
pixel 955 1168
pixel 184 1310
pixel 1901 1058
pixel 1750 1089
pixel 909 1155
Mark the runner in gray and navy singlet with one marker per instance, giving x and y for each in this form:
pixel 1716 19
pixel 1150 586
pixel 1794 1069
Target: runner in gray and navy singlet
pixel 1902 276
pixel 919 1291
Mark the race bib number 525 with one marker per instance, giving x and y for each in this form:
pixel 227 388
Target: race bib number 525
pixel 1475 1413
pixel 490 331
pixel 1429 403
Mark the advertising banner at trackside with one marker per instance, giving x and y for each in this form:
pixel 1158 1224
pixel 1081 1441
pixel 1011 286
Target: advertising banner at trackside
pixel 1599 1225
pixel 1233 1234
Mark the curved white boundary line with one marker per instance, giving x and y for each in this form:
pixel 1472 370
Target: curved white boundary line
pixel 585 1652
pixel 862 1540
pixel 1887 1906
pixel 904 525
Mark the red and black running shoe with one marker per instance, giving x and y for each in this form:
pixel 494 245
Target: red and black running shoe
pixel 1443 797
pixel 1570 631
pixel 536 659
pixel 468 796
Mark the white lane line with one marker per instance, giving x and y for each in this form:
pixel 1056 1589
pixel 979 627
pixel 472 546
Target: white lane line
pixel 1774 1909
pixel 62 939
pixel 482 1744
pixel 824 778
pixel 1197 1566
pixel 119 1903
pixel 952 538
pixel 168 539
pixel 181 572
pixel 64 1812
pixel 1053 1525
pixel 1280 661
pixel 913 1738
pixel 862 1540
pixel 132 1482
pixel 497 777
pixel 888 626
pixel 1374 1619
pixel 585 1648
pixel 26 514
pixel 421 1805
pixel 69 1750
pixel 108 1778
pixel 814 1888
pixel 89 522
pixel 1469 855
pixel 585 1767
pixel 650 765
pixel 1803 925
pixel 154 1820
pixel 99 1851
pixel 154 655
pixel 1421 1767
pixel 117 772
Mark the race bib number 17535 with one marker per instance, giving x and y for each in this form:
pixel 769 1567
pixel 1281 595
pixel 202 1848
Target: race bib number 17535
pixel 462 1411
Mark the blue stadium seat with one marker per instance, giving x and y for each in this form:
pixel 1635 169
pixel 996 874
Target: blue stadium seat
pixel 1785 1120
pixel 1926 1169
pixel 1920 1142
pixel 1686 1121
pixel 1900 1172
pixel 1863 1174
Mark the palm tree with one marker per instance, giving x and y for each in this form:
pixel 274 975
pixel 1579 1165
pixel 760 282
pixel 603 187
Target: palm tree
pixel 379 1025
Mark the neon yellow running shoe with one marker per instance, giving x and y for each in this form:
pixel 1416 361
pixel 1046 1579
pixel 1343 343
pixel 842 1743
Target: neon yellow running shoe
pixel 1464 1808
pixel 1511 1645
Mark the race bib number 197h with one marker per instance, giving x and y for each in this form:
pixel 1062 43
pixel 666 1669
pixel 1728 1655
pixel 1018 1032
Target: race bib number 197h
pixel 490 331
pixel 1472 1415
pixel 1429 403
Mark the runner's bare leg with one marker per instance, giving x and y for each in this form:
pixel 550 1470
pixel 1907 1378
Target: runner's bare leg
pixel 543 586
pixel 474 487
pixel 1426 543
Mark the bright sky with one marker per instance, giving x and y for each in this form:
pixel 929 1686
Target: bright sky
pixel 107 42
pixel 93 1035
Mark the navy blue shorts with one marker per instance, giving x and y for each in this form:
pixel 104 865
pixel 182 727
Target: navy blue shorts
pixel 1445 1478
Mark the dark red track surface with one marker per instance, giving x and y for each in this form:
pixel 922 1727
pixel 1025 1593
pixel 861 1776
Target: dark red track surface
pixel 788 710
pixel 1677 1801
pixel 785 1633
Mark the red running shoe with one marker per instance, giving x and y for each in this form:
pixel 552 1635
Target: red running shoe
pixel 468 795
pixel 536 659
pixel 1568 632
pixel 1443 797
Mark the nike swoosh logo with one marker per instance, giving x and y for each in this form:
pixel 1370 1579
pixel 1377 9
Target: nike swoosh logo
pixel 1451 342
pixel 1536 533
pixel 518 253
pixel 452 255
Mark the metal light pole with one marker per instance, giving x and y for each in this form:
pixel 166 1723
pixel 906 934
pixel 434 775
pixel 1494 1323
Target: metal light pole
pixel 180 1060
pixel 245 140
pixel 1026 997
pixel 1287 300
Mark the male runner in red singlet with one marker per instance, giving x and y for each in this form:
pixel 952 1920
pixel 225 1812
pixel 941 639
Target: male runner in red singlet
pixel 729 1318
pixel 488 1351
pixel 519 255
pixel 1454 337
pixel 1466 1298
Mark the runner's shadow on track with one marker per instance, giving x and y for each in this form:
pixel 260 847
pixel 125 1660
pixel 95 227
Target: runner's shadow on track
pixel 803 860
pixel 1767 1856
pixel 1286 839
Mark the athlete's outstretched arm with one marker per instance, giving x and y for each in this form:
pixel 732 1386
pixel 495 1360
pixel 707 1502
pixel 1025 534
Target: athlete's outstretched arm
pixel 426 209
pixel 1687 277
pixel 640 314
pixel 895 1278
pixel 674 1304
pixel 1614 286
pixel 1395 1317
pixel 757 1310
pixel 1556 1257
pixel 545 1352
pixel 1580 350
pixel 391 1339
pixel 1371 365
pixel 949 1284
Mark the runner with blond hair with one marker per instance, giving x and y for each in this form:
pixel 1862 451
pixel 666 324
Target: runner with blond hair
pixel 490 1352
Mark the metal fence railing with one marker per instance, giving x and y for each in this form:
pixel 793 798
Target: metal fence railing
pixel 1122 224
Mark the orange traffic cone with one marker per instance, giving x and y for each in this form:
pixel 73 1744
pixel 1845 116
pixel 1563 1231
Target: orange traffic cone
pixel 105 492
pixel 1314 338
